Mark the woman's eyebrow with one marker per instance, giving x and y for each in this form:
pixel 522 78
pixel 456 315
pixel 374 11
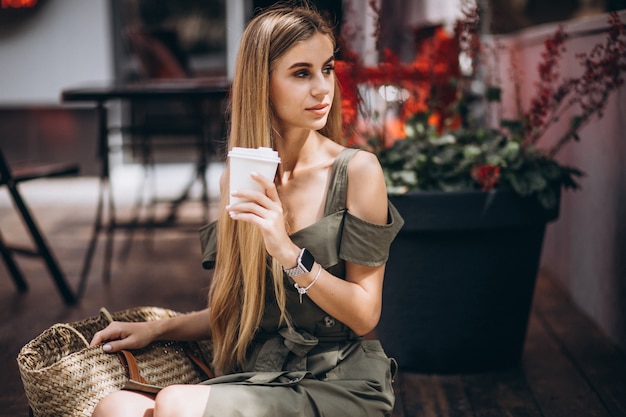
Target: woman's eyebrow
pixel 308 64
pixel 300 64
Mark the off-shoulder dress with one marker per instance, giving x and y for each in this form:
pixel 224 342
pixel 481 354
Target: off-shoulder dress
pixel 319 367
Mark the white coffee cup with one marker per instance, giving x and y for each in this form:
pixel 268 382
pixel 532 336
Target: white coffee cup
pixel 244 161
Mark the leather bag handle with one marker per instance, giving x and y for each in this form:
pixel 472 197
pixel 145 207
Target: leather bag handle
pixel 136 382
pixel 130 363
pixel 199 363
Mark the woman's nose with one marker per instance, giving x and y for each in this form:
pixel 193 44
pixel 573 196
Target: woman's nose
pixel 321 85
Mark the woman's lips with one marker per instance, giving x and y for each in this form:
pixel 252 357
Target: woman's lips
pixel 320 109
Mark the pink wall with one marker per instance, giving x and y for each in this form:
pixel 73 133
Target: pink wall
pixel 585 248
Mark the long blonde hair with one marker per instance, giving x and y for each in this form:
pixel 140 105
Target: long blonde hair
pixel 237 294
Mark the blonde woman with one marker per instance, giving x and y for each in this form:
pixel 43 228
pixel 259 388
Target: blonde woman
pixel 299 268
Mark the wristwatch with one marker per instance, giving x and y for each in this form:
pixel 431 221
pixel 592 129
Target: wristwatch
pixel 304 265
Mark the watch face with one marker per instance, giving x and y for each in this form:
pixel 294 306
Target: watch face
pixel 307 260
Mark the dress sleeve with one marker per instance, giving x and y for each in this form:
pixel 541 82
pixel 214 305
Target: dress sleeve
pixel 208 244
pixel 367 243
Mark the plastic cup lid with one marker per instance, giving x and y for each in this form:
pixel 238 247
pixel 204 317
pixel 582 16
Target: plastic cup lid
pixel 262 153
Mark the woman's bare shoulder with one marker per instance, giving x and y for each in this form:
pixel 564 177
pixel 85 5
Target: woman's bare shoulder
pixel 367 194
pixel 365 163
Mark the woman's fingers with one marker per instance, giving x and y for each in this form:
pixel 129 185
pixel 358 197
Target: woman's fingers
pixel 260 204
pixel 256 206
pixel 268 186
pixel 263 209
pixel 117 336
pixel 112 347
pixel 108 333
pixel 266 198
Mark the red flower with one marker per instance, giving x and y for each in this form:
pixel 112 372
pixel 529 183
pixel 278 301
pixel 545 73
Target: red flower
pixel 603 69
pixel 427 81
pixel 486 176
pixel 350 99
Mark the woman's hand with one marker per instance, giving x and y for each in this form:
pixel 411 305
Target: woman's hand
pixel 265 210
pixel 124 335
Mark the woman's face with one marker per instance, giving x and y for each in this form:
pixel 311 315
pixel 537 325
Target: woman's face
pixel 302 85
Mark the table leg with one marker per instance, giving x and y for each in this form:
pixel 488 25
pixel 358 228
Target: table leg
pixel 105 189
pixel 97 228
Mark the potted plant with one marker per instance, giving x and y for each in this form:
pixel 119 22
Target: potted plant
pixel 475 197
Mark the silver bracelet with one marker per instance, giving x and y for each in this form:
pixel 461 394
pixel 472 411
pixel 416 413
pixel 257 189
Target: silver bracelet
pixel 303 291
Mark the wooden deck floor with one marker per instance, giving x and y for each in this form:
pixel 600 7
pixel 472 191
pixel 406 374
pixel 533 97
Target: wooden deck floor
pixel 569 367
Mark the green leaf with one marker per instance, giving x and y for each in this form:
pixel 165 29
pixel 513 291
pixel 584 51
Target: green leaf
pixel 410 130
pixel 471 152
pixel 404 177
pixel 493 94
pixel 547 198
pixel 575 123
pixel 551 171
pixel 443 140
pixel 519 185
pixel 512 125
pixel 495 159
pixel 446 156
pixel 396 190
pixel 536 181
pixel 511 151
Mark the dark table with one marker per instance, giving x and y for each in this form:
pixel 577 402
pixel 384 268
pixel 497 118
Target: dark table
pixel 195 92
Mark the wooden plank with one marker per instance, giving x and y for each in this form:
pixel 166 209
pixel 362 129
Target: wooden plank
pixel 600 361
pixel 501 393
pixel 558 387
pixel 452 396
pixel 424 395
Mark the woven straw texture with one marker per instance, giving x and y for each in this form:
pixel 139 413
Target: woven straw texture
pixel 63 376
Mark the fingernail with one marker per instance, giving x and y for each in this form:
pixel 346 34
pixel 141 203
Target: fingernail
pixel 232 214
pixel 107 348
pixel 254 174
pixel 228 207
pixel 233 192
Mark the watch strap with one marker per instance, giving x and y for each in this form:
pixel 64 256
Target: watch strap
pixel 304 264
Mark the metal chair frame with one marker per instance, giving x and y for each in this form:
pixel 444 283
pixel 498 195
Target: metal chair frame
pixel 11 177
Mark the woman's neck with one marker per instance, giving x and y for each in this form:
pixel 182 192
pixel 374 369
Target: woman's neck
pixel 298 151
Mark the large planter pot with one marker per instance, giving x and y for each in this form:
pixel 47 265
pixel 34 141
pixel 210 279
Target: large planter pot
pixel 460 278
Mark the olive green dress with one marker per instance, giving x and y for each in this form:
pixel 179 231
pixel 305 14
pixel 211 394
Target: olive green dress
pixel 320 367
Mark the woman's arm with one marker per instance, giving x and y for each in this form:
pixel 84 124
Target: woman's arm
pixel 357 301
pixel 135 335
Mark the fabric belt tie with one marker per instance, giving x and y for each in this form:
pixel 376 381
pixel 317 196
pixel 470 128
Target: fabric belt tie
pixel 274 353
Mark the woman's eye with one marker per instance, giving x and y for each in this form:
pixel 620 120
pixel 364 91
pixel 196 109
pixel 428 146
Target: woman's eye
pixel 302 74
pixel 327 70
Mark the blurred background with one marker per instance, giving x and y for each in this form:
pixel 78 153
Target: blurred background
pixel 47 46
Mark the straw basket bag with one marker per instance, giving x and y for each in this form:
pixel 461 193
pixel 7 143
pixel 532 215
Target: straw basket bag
pixel 63 376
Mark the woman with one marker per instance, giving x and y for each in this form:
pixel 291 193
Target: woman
pixel 299 268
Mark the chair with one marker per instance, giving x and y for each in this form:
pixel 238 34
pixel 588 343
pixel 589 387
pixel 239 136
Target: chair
pixel 11 177
pixel 169 124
